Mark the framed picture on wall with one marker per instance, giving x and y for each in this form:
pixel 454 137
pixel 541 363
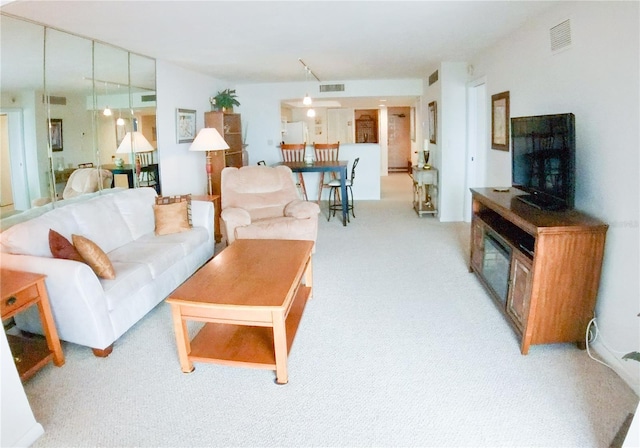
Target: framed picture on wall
pixel 500 121
pixel 185 125
pixel 433 122
pixel 55 134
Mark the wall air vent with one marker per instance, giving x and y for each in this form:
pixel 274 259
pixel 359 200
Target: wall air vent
pixel 433 77
pixel 147 98
pixel 59 100
pixel 560 36
pixel 332 87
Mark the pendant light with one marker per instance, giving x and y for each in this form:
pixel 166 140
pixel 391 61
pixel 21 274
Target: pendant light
pixel 307 99
pixel 106 112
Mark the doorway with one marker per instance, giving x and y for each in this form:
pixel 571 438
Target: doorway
pixel 399 138
pixel 14 191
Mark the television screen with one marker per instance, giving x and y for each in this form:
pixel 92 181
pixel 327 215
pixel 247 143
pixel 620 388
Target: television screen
pixel 543 160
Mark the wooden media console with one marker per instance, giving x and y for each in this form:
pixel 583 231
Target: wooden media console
pixel 542 268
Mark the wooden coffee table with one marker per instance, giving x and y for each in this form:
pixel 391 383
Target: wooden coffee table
pixel 251 297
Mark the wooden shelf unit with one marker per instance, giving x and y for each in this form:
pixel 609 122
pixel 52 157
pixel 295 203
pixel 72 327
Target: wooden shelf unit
pixel 230 127
pixel 555 265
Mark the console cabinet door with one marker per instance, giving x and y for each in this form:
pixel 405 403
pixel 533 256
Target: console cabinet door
pixel 477 244
pixel 519 290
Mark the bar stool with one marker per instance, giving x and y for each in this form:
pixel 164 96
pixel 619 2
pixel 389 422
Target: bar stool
pixel 335 204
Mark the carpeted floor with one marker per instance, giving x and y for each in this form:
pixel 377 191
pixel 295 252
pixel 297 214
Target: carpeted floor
pixel 400 346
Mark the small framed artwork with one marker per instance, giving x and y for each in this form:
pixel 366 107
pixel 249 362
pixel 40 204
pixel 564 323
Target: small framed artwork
pixel 500 121
pixel 433 122
pixel 55 134
pixel 185 125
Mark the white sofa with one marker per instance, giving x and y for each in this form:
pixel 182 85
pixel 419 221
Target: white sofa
pixel 95 312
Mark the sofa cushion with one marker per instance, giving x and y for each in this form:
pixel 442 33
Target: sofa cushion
pixel 94 257
pixel 136 208
pixel 62 248
pixel 188 241
pixel 100 220
pixel 158 257
pixel 171 218
pixel 32 237
pixel 130 277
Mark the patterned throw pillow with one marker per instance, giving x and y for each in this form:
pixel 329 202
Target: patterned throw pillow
pixel 62 248
pixel 94 257
pixel 164 200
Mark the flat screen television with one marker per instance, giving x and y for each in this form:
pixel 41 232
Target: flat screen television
pixel 543 152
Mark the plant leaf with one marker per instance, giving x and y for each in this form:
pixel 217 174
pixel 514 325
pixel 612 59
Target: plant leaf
pixel 633 355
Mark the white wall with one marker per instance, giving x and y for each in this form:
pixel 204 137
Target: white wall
pixel 181 171
pixel 597 80
pixel 448 154
pixel 19 426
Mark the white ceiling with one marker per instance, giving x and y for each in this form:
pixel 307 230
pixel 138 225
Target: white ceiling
pixel 261 41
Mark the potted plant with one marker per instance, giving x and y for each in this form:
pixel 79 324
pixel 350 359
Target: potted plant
pixel 225 100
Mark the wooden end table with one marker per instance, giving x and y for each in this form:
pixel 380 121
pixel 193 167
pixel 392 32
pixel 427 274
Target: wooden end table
pixel 251 297
pixel 215 198
pixel 20 290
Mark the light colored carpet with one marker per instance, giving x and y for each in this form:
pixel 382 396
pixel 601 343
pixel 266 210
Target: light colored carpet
pixel 400 346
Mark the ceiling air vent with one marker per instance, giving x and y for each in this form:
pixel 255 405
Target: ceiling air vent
pixel 433 77
pixel 560 36
pixel 332 87
pixel 147 98
pixel 59 100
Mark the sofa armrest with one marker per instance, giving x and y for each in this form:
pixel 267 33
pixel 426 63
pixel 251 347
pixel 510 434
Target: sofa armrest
pixel 233 217
pixel 301 209
pixel 202 215
pixel 77 299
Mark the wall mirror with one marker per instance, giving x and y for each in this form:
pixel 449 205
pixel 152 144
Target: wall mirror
pixel 55 89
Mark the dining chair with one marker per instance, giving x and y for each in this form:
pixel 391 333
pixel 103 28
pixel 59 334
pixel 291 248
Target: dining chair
pixel 294 152
pixel 335 204
pixel 325 152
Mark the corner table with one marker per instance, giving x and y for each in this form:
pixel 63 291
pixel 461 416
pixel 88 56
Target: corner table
pixel 19 291
pixel 424 180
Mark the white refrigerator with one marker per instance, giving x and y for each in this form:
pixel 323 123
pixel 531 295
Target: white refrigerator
pixel 295 132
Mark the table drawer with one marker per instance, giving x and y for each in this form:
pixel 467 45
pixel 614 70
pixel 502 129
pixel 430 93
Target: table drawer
pixel 14 302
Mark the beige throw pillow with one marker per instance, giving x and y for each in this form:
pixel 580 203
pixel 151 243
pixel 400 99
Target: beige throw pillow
pixel 164 200
pixel 171 218
pixel 94 257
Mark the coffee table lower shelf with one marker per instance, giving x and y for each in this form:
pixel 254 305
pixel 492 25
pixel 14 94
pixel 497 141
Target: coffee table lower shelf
pixel 246 345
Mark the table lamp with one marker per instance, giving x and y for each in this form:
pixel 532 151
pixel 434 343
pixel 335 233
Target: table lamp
pixel 210 140
pixel 135 142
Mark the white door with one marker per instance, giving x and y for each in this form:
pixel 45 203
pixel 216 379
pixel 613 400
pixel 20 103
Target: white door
pixel 476 141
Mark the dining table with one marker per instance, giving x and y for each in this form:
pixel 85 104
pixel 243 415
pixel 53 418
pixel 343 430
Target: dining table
pixel 336 166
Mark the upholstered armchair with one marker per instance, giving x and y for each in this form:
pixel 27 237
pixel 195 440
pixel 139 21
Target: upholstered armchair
pixel 87 180
pixel 262 202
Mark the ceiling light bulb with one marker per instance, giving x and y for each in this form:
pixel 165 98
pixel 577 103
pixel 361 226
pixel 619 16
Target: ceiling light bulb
pixel 107 112
pixel 311 113
pixel 306 100
pixel 120 121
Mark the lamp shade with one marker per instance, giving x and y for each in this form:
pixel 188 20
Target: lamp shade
pixel 208 139
pixel 134 142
